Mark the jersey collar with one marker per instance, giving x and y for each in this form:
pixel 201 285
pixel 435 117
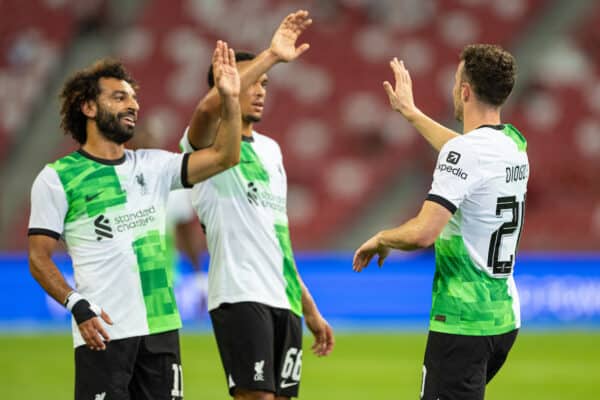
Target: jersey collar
pixel 104 161
pixel 498 127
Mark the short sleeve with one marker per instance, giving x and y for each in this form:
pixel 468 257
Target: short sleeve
pixel 48 205
pixel 179 207
pixel 456 174
pixel 176 168
pixel 184 144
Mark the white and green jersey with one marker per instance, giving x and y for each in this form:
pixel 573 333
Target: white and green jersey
pixel 243 211
pixel 481 177
pixel 179 211
pixel 111 215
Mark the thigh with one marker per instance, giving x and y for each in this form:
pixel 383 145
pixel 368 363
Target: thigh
pixel 105 374
pixel 245 337
pixel 454 367
pixel 501 347
pixel 158 373
pixel 288 352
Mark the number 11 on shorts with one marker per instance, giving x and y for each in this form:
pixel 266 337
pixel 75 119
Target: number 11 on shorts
pixel 177 391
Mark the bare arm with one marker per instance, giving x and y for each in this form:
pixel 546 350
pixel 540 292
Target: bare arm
pixel 416 233
pixel 46 273
pixel 189 241
pixel 44 270
pixel 205 120
pixel 225 152
pixel 322 332
pixel 402 100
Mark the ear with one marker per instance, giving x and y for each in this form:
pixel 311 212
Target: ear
pixel 89 109
pixel 465 92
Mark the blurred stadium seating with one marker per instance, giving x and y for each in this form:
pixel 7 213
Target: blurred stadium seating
pixel 328 110
pixel 33 35
pixel 342 146
pixel 559 113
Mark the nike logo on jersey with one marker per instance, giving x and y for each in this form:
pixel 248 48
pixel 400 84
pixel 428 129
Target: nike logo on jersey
pixel 100 396
pixel 90 197
pixel 285 384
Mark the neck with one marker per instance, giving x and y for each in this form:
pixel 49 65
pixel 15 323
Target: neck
pixel 98 146
pixel 477 115
pixel 247 129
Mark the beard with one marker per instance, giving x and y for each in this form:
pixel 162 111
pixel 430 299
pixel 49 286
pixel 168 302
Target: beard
pixel 110 126
pixel 250 119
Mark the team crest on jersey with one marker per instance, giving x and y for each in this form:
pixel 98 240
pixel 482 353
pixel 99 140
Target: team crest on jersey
pixel 139 178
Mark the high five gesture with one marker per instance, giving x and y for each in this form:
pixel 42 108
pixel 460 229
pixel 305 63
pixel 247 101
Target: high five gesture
pixel 283 44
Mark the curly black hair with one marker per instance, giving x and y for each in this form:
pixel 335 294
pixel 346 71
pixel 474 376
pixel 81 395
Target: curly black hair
pixel 491 71
pixel 83 86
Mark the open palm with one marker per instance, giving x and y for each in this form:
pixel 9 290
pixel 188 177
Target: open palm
pixel 283 44
pixel 227 77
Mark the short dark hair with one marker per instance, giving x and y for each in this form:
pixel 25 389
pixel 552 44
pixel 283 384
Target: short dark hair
pixel 491 71
pixel 83 86
pixel 239 56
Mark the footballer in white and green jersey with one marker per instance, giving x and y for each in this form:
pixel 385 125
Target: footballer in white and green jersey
pixel 480 177
pixel 243 210
pixel 111 215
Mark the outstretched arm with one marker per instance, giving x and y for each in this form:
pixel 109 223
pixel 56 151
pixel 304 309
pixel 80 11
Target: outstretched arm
pixel 416 233
pixel 205 120
pixel 402 100
pixel 225 151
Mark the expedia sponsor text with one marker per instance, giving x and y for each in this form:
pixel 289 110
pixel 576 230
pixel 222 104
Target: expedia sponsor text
pixel 458 172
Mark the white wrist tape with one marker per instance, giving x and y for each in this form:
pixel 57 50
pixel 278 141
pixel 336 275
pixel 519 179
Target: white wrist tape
pixel 73 298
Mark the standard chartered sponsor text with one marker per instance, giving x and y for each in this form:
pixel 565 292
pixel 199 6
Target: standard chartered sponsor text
pixel 137 219
pixel 272 201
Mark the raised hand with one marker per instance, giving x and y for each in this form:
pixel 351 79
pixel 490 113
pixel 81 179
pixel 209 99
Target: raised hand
pixel 365 253
pixel 401 97
pixel 227 77
pixel 283 44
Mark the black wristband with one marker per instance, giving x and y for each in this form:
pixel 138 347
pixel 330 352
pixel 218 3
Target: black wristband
pixel 82 312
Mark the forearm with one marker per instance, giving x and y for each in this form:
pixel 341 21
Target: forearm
pixel 407 237
pixel 205 120
pixel 46 273
pixel 189 243
pixel 228 141
pixel 436 134
pixel 309 307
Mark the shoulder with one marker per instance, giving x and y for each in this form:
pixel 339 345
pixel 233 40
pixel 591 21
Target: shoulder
pixel 149 155
pixel 47 179
pixel 48 173
pixel 266 142
pixel 459 143
pixel 65 162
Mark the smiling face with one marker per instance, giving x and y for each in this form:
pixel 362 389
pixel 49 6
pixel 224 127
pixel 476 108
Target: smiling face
pixel 117 110
pixel 252 100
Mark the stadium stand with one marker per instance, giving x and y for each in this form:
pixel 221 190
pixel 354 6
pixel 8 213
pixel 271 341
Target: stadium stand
pixel 33 35
pixel 341 145
pixel 559 113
